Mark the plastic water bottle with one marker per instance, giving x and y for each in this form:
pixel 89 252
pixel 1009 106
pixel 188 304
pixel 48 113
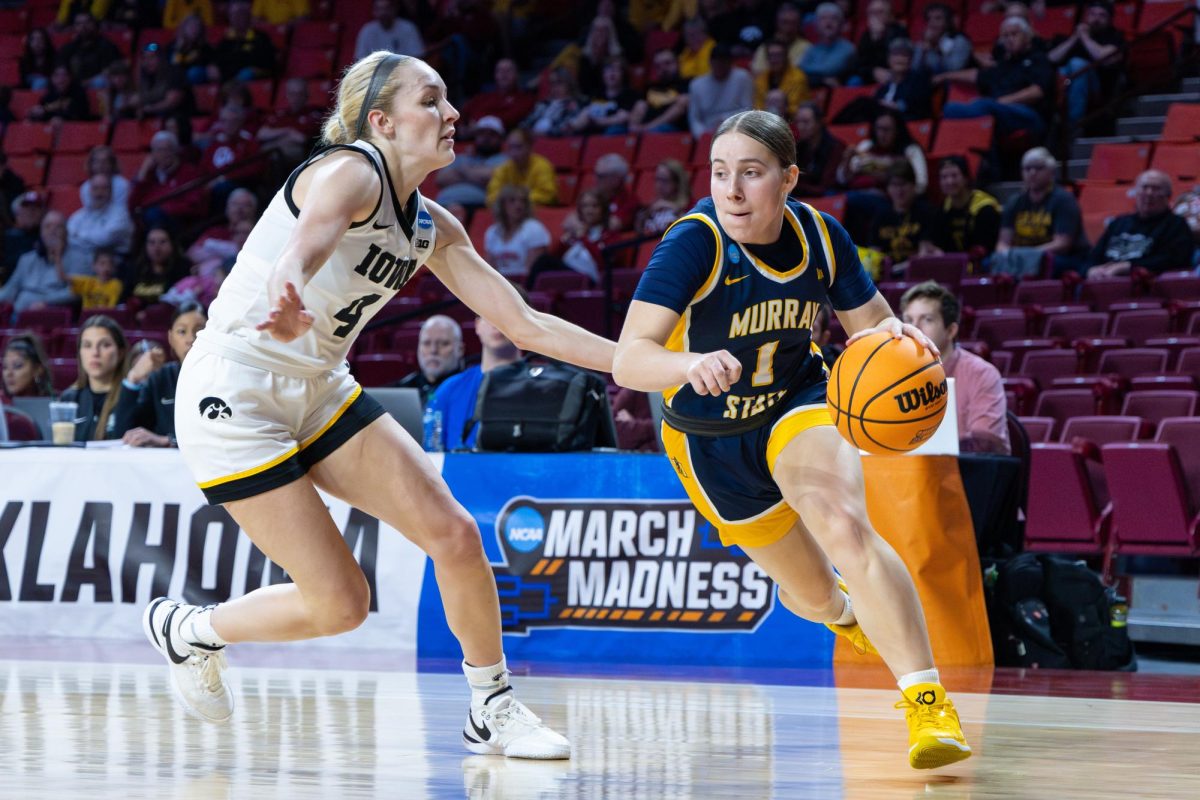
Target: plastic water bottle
pixel 433 431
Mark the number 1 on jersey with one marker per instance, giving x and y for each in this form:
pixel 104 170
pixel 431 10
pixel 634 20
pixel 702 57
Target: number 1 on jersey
pixel 352 313
pixel 764 371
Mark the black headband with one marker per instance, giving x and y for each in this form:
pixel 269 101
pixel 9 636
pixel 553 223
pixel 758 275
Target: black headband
pixel 382 70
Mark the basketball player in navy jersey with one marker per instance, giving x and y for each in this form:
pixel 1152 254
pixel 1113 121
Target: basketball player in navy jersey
pixel 267 411
pixel 720 324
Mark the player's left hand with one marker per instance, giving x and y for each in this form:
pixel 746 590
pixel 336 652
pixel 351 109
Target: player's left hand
pixel 897 329
pixel 289 319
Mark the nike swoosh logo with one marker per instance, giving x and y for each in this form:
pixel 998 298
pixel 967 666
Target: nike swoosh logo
pixel 175 657
pixel 483 733
pixel 730 281
pixel 168 401
pixel 379 227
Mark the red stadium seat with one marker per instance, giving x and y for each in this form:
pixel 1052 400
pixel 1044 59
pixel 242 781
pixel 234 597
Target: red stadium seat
pixel 1132 362
pixel 1058 21
pixel 80 137
pixel 1189 361
pixel 67 168
pixel 1063 513
pixel 1039 429
pixel 833 204
pixel 1156 405
pixel 1183 122
pixel 1154 513
pixel 1118 162
pixel 20 426
pixel 957 136
pixel 63 372
pixel 1141 325
pixel 1065 403
pixel 1182 285
pixel 1040 292
pixel 842 96
pixel 1180 161
pixel 561 281
pixel 657 147
pixel 562 152
pixel 380 369
pixel 1111 200
pixel 921 131
pixel 948 269
pixel 597 146
pixel 1100 293
pixel 1101 430
pixel 315 33
pixel 994 325
pixel 28 138
pixel 585 308
pixel 982 291
pixel 1075 325
pixel 851 133
pixel 1046 365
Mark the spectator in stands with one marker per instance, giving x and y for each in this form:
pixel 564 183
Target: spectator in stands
pixel 1187 205
pixel 146 410
pixel 969 219
pixel 162 90
pixel 612 182
pixel 1018 92
pixel 388 31
pixel 229 144
pixel 524 168
pixel 942 47
pixel 176 12
pixel 12 186
pixel 291 130
pixel 723 91
pixel 905 228
pixel 818 153
pixel 695 57
pixel 459 45
pixel 22 236
pixel 904 89
pixel 1093 43
pixel 100 289
pixel 453 403
pixel 244 53
pixel 672 198
pixel 102 160
pixel 279 12
pixel 982 409
pixel 608 111
pixel 463 184
pixel 783 75
pixel 36 282
pixel 241 206
pixel 830 59
pixel 211 258
pixel 191 53
pixel 103 222
pixel 161 174
pixel 874 45
pixel 516 239
pixel 88 52
pixel 1153 238
pixel 551 116
pixel 864 170
pixel 26 370
pixel 600 46
pixel 439 356
pixel 507 101
pixel 663 108
pixel 1043 220
pixel 788 32
pixel 65 100
pixel 634 421
pixel 157 269
pixel 237 94
pixel 37 60
pixel 118 98
pixel 584 233
pixel 101 351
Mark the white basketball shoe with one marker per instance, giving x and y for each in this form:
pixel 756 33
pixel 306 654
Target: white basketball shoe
pixel 503 726
pixel 196 678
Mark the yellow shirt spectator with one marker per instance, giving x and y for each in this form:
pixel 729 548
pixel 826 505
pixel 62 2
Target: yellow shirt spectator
pixel 793 84
pixel 694 63
pixel 176 11
pixel 97 8
pixel 96 293
pixel 279 12
pixel 646 14
pixel 538 177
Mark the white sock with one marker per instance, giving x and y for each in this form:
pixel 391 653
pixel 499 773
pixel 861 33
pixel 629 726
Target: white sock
pixel 199 629
pixel 847 617
pixel 913 678
pixel 485 681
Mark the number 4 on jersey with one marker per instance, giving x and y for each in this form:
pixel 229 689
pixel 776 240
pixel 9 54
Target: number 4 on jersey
pixel 352 313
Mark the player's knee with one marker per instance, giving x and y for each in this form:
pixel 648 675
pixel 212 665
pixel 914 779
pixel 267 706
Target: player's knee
pixel 848 543
pixel 346 610
pixel 816 603
pixel 457 541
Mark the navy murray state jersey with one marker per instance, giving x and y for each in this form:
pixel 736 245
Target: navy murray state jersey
pixel 756 301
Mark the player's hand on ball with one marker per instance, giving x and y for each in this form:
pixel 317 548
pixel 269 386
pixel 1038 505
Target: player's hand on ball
pixel 713 373
pixel 288 320
pixel 896 328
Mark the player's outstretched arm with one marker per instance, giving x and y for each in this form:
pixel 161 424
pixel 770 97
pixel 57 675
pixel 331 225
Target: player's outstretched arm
pixel 491 296
pixel 343 189
pixel 644 364
pixel 875 316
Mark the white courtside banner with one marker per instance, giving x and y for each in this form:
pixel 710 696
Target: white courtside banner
pixel 87 537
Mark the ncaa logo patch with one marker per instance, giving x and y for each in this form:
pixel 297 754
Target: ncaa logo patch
pixel 525 529
pixel 734 255
pixel 424 221
pixel 215 408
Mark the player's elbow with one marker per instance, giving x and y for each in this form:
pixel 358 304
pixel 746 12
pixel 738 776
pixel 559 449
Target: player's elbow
pixel 625 371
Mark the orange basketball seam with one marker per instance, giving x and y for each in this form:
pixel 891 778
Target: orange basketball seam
pixel 896 383
pixel 854 387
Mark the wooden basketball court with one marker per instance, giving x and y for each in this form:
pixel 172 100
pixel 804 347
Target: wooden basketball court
pixel 96 720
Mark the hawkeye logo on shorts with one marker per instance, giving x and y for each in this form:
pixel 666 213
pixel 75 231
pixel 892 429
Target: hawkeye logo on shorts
pixel 215 408
pixel 652 565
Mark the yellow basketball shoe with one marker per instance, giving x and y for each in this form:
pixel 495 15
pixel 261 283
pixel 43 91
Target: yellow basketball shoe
pixel 862 645
pixel 935 737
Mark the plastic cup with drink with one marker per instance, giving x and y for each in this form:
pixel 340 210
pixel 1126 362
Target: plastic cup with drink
pixel 62 421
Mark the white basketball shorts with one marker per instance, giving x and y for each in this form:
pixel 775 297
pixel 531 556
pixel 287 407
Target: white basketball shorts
pixel 243 430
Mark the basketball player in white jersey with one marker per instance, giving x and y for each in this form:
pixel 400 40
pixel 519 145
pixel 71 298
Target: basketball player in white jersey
pixel 267 411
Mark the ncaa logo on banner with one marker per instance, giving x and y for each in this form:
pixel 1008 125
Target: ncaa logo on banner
pixel 622 564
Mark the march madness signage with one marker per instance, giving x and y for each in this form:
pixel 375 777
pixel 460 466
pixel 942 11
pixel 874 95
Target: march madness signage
pixel 622 564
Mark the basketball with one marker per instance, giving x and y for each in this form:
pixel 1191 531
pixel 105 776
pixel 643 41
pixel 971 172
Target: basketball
pixel 887 395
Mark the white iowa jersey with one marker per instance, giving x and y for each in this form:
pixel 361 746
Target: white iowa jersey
pixel 371 262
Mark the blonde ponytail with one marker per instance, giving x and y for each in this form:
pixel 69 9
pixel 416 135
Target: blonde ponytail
pixel 340 126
